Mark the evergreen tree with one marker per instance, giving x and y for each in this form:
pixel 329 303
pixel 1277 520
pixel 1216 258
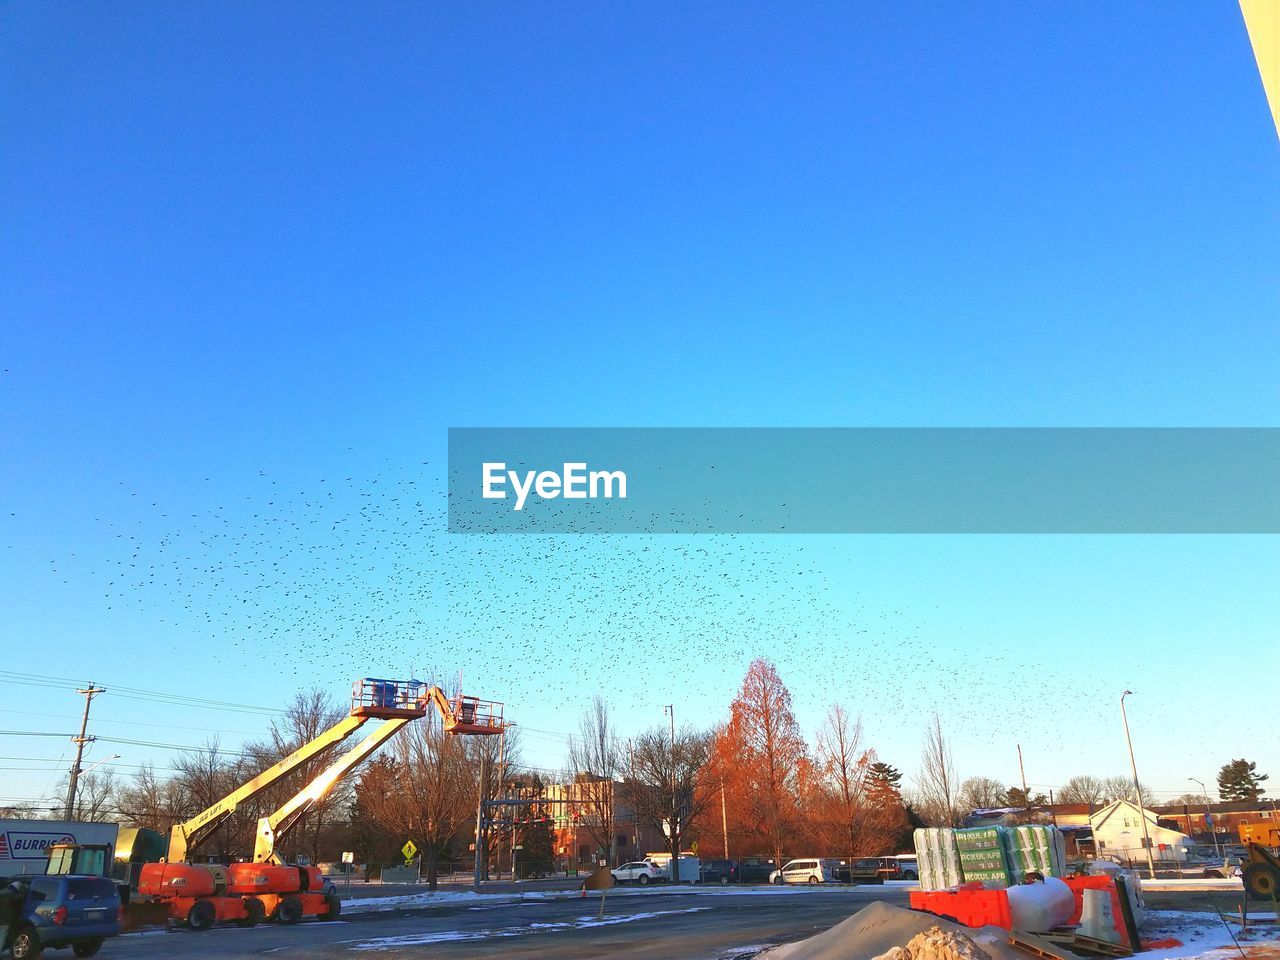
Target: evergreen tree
pixel 884 782
pixel 1240 780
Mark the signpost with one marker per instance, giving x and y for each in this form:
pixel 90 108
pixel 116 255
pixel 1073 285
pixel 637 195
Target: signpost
pixel 349 858
pixel 409 849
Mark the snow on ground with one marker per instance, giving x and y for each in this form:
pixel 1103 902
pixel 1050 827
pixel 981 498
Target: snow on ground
pixel 1192 883
pixel 452 898
pixel 454 936
pixel 1206 935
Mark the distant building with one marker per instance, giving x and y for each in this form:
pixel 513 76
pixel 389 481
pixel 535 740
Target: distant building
pixel 577 836
pixel 1118 832
pixel 1224 818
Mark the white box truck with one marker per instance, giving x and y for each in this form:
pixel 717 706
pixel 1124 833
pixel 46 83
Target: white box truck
pixel 23 842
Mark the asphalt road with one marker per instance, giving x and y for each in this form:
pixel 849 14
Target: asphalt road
pixel 655 924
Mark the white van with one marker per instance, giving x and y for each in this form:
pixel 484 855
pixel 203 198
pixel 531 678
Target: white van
pixel 809 870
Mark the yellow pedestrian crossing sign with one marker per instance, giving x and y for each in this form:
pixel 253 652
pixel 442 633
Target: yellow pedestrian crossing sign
pixel 409 849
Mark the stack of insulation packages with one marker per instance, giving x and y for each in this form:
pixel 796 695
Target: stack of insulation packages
pixel 996 857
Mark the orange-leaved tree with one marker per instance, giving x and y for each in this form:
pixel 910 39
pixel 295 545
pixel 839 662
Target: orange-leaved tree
pixel 768 755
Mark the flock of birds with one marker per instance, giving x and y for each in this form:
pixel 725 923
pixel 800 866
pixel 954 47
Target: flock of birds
pixel 356 575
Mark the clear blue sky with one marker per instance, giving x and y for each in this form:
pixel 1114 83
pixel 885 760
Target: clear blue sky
pixel 257 258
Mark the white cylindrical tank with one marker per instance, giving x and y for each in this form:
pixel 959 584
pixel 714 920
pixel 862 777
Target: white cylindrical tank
pixel 1040 906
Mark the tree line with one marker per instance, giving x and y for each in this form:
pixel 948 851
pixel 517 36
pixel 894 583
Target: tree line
pixel 751 785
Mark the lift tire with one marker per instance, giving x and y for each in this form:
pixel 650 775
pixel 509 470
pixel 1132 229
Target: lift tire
pixel 289 911
pixel 643 880
pixel 202 915
pixel 813 880
pixel 87 948
pixel 1262 880
pixel 334 906
pixel 26 945
pixel 255 913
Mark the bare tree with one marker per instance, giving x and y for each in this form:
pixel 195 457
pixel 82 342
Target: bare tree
pixel 978 793
pixel 664 781
pixel 1083 789
pixel 149 801
pixel 96 797
pixel 842 767
pixel 429 794
pixel 1120 787
pixel 595 759
pixel 937 780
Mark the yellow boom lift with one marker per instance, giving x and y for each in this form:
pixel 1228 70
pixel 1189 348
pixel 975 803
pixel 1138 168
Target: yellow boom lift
pixel 397 703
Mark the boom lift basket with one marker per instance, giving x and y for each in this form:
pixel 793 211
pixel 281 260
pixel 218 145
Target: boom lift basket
pixel 410 699
pixel 387 699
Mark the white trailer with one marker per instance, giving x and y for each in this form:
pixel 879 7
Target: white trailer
pixel 690 866
pixel 23 842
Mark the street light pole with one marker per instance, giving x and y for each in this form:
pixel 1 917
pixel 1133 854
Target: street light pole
pixel 1208 817
pixel 1137 787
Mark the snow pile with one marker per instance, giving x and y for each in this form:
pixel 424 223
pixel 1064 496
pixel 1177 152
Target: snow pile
pixel 877 929
pixel 937 944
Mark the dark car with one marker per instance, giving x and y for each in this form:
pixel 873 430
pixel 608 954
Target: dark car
pixel 863 870
pixel 719 871
pixel 76 912
pixel 755 869
pixel 742 870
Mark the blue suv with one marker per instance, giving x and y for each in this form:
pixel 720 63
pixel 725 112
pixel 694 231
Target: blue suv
pixel 75 912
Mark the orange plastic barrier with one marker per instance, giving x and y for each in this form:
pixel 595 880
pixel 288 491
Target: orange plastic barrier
pixel 968 904
pixel 1079 885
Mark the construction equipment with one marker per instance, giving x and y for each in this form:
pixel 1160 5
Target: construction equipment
pixel 398 704
pixel 1261 873
pixel 1263 834
pixel 246 893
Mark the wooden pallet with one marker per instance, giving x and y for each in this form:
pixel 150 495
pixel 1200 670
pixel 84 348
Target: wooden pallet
pixel 1102 948
pixel 1039 946
pixel 1065 946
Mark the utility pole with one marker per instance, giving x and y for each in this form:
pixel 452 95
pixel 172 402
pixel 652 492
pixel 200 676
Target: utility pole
pixel 80 741
pixel 1026 798
pixel 480 824
pixel 502 780
pixel 1137 787
pixel 724 820
pixel 675 833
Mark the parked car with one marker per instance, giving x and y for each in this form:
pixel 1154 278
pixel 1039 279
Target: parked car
pixel 810 870
pixel 909 867
pixel 67 911
pixel 864 870
pixel 719 871
pixel 755 869
pixel 643 872
pixel 899 868
pixel 741 870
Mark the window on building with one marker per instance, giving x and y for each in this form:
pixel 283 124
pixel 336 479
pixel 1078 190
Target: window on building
pixel 622 840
